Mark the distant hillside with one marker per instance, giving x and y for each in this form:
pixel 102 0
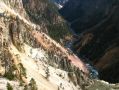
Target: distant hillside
pixel 97 24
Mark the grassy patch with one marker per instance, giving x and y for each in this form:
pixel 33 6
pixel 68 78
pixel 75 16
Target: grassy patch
pixel 9 87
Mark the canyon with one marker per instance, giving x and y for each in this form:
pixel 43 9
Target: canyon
pixel 33 55
pixel 96 25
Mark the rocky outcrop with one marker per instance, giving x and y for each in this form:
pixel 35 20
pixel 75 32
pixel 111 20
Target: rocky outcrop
pixel 97 24
pixel 17 35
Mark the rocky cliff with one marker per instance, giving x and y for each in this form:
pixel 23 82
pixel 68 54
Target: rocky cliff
pixel 31 57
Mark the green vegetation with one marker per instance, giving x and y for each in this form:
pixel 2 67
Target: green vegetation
pixel 47 73
pixel 11 76
pixel 25 87
pixel 9 87
pixel 49 19
pixel 33 85
pixel 9 73
pixel 22 70
pixel 58 31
